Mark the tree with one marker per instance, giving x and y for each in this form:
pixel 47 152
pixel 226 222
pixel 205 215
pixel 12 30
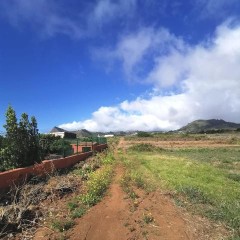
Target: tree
pixel 2 145
pixel 51 144
pixel 10 154
pixel 23 135
pixel 1 142
pixel 34 141
pixel 29 137
pixel 21 141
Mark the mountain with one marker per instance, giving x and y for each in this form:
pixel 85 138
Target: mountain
pixel 83 133
pixel 57 129
pixel 207 125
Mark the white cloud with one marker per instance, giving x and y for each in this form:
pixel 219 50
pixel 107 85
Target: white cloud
pixel 206 75
pixel 105 10
pixel 133 50
pixel 50 17
pixel 213 8
pixel 44 16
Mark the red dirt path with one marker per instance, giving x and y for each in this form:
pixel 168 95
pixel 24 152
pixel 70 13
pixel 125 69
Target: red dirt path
pixel 117 217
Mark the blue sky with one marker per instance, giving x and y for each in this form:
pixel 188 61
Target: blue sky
pixel 120 65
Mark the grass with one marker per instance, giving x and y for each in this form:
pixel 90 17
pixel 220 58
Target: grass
pixel 234 176
pixel 97 185
pixel 144 147
pixel 127 187
pixel 62 225
pixel 231 138
pixel 170 137
pixel 98 180
pixel 78 212
pixel 207 178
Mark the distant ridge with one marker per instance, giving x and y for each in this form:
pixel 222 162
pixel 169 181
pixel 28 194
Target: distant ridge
pixel 57 129
pixel 83 133
pixel 207 125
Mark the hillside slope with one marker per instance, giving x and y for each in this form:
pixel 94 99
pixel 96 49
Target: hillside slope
pixel 206 125
pixel 83 133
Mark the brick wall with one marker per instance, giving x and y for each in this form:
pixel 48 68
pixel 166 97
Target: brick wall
pixel 19 175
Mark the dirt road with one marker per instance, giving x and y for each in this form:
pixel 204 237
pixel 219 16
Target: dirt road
pixel 113 218
pixel 118 217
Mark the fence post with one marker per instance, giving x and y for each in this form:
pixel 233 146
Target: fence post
pixel 63 148
pixel 77 145
pixel 92 143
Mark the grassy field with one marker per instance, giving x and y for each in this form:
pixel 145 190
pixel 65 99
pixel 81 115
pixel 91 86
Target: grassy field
pixel 204 180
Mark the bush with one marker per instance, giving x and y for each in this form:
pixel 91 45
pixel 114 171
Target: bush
pixel 51 144
pixel 143 147
pixel 21 145
pixel 143 134
pixel 62 225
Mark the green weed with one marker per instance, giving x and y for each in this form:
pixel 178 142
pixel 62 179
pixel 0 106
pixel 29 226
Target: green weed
pixel 126 183
pixel 234 238
pixel 78 212
pixel 234 176
pixel 72 206
pixel 108 159
pixel 138 180
pixel 97 185
pixel 62 225
pixel 148 218
pixel 144 147
pixel 195 195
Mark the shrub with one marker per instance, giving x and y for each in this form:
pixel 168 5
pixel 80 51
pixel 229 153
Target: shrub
pixel 143 134
pixel 62 225
pixel 79 212
pixel 21 146
pixel 143 147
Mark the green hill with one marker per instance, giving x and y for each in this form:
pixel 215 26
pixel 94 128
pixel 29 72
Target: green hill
pixel 208 125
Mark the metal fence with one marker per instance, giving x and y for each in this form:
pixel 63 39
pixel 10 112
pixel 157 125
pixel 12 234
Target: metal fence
pixel 61 147
pixel 87 143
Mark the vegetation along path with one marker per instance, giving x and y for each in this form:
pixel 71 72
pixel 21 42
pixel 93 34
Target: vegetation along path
pixel 132 212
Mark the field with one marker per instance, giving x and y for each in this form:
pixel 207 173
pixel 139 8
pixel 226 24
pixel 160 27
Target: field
pixel 167 186
pixel 203 175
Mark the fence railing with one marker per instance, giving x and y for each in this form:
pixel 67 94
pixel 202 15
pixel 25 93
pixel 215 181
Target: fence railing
pixel 98 140
pixel 86 144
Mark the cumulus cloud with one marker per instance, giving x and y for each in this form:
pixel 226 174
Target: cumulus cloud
pixel 206 76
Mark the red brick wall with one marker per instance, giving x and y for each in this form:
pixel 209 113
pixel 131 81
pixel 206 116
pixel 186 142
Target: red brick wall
pixel 79 148
pixel 100 147
pixel 18 175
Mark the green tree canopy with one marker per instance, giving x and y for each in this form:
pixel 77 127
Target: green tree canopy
pixel 21 146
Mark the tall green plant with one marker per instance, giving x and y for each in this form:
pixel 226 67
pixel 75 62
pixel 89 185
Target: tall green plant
pixel 51 144
pixel 21 146
pixel 29 137
pixel 10 153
